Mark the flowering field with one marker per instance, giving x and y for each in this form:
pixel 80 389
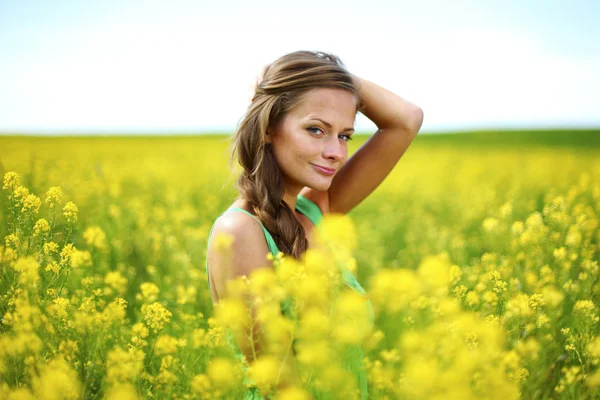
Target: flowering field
pixel 479 255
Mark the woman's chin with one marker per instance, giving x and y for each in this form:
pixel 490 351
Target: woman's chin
pixel 322 185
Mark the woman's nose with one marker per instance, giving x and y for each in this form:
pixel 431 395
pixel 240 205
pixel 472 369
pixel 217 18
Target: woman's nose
pixel 334 149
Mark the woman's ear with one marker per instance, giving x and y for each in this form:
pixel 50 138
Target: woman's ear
pixel 269 136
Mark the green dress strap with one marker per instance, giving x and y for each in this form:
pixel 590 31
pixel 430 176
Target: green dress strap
pixel 309 208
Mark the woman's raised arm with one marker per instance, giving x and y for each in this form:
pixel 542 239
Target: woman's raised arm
pixel 399 122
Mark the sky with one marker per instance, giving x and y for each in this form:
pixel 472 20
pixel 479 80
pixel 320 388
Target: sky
pixel 188 66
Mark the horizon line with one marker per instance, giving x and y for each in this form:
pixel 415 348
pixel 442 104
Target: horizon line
pixel 223 132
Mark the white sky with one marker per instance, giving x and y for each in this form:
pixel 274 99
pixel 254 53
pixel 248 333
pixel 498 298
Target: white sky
pixel 133 66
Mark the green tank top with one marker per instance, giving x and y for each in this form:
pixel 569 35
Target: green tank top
pixel 353 358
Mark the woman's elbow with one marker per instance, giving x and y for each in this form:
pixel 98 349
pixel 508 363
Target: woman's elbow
pixel 416 120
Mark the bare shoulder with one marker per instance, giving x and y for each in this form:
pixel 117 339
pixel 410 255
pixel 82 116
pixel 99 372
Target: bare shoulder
pixel 320 198
pixel 248 251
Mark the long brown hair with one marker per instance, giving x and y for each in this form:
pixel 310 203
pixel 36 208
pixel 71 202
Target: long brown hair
pixel 261 182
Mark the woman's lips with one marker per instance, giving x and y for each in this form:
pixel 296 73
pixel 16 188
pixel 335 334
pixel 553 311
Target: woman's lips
pixel 324 170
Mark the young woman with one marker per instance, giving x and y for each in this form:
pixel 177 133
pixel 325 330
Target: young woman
pixel 293 147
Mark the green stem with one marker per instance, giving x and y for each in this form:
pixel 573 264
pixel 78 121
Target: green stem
pixel 63 284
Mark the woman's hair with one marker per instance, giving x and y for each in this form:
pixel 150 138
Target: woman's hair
pixel 261 183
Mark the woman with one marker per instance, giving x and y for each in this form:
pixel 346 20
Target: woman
pixel 293 147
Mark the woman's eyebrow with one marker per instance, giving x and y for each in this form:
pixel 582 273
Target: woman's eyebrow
pixel 327 124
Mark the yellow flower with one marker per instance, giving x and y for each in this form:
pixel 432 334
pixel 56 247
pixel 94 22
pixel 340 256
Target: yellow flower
pixel 58 308
pixel 54 196
pixel 80 258
pixel 122 391
pixel 69 350
pixel 186 295
pixel 50 248
pixel 156 316
pixel 222 372
pixel 12 241
pixel 41 227
pixel 473 298
pixel 70 211
pixel 435 272
pixel 56 380
pixel 53 266
pixel 124 365
pixel 350 319
pixel 314 324
pixel 536 301
pixel 338 231
pixel 264 371
pixel 66 252
pixel 233 313
pixel 28 271
pixel 31 204
pixel 19 195
pixel 11 180
pixel 149 292
pixel 584 309
pixel 201 384
pixel 293 393
pixel 95 237
pixel 114 311
pixel 490 224
pixel 115 280
pixel 140 330
pixel 223 241
pixel 166 344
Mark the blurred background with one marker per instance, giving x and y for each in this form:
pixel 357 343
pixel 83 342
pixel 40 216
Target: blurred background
pixel 150 67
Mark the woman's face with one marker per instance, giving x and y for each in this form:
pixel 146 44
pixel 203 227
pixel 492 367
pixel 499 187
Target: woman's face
pixel 314 134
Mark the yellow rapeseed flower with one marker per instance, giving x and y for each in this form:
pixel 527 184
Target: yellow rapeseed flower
pixel 223 241
pixel 338 230
pixel 80 258
pixel 56 380
pixel 149 292
pixel 156 316
pixel 122 391
pixel 70 212
pixel 264 371
pixel 222 372
pixel 50 248
pixel 54 196
pixel 28 271
pixel 166 344
pixel 233 314
pixel 116 281
pixel 124 365
pixel 293 393
pixel 31 204
pixel 434 272
pixel 11 180
pixel 201 384
pixel 12 241
pixel 94 236
pixel 41 227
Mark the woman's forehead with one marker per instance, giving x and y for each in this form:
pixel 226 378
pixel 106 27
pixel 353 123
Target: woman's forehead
pixel 328 104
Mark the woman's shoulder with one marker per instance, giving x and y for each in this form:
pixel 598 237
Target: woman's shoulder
pixel 246 248
pixel 238 222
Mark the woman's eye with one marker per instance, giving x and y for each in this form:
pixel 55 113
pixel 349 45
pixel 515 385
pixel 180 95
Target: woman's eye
pixel 347 137
pixel 310 129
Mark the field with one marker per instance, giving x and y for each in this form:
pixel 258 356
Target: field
pixel 479 253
